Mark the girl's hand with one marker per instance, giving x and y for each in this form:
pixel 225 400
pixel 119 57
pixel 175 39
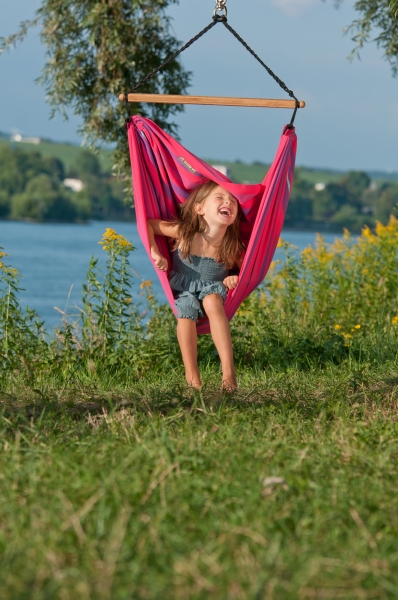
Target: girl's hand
pixel 231 282
pixel 160 261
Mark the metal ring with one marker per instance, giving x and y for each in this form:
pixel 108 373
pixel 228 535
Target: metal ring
pixel 220 6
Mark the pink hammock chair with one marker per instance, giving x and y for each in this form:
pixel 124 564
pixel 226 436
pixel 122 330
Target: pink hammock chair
pixel 164 174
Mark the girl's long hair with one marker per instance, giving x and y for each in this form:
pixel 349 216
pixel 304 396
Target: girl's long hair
pixel 190 222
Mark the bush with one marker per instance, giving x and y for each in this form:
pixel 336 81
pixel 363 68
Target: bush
pixel 329 302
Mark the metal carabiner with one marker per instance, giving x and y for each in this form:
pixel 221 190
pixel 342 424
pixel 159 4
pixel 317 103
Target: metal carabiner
pixel 220 6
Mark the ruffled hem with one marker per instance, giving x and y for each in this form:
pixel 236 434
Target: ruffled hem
pixel 178 316
pixel 213 288
pixel 188 307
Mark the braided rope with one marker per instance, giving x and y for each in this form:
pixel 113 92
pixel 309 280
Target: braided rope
pixel 270 72
pixel 172 57
pixel 216 19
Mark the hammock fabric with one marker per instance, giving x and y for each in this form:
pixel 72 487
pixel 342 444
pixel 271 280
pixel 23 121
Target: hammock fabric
pixel 164 174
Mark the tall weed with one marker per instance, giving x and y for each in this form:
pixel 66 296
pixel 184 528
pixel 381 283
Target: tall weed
pixel 21 332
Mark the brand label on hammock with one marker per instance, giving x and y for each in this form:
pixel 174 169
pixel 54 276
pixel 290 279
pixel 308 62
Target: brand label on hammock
pixel 187 165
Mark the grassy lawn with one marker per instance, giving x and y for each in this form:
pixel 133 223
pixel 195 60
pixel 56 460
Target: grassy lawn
pixel 118 482
pixel 147 490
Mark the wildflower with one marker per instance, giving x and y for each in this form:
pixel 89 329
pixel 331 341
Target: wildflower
pixel 347 234
pixel 128 300
pixel 145 284
pixel 337 327
pixel 366 233
pixel 347 335
pixel 112 239
pixel 357 326
pixel 280 243
pixel 394 320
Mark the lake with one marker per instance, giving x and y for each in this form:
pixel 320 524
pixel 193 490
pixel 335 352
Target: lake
pixel 53 260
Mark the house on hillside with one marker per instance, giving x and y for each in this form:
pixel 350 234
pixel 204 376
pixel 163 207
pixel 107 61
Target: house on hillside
pixel 17 137
pixel 222 169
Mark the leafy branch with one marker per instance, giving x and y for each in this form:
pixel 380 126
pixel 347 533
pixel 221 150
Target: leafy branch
pixel 97 49
pixel 380 16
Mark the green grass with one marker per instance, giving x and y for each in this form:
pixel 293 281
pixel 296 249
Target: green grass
pixel 145 490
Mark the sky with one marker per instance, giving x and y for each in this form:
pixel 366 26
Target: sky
pixel 351 117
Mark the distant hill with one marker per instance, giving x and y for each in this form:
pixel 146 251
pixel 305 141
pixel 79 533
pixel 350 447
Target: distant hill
pixel 241 172
pixel 65 151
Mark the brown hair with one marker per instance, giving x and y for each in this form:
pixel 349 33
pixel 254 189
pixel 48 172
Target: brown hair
pixel 190 222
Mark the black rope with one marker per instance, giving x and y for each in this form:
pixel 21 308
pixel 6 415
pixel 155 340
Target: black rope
pixel 216 19
pixel 278 81
pixel 173 56
pixel 291 124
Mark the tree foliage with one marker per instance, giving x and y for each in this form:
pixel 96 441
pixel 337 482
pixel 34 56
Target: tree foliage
pixel 97 49
pixel 377 21
pixel 32 187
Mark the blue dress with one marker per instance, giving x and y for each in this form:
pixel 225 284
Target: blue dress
pixel 192 279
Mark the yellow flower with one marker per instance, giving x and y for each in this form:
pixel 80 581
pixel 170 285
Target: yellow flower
pixel 394 320
pixel 307 252
pixel 145 284
pixel 357 326
pixel 347 335
pixel 337 327
pixel 110 237
pixel 280 243
pixel 128 300
pixel 366 233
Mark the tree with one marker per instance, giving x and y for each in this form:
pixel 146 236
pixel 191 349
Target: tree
pixel 387 202
pixel 44 200
pixel 299 210
pixel 87 163
pixel 97 49
pixel 378 21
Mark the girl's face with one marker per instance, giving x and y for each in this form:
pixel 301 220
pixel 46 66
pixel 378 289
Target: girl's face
pixel 220 207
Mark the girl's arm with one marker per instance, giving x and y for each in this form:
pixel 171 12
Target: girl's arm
pixel 158 227
pixel 231 281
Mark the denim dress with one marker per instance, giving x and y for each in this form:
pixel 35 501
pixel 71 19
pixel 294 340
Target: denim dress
pixel 192 279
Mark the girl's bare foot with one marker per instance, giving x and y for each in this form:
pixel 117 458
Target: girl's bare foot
pixel 197 385
pixel 229 385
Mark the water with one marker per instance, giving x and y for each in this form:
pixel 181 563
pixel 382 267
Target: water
pixel 53 260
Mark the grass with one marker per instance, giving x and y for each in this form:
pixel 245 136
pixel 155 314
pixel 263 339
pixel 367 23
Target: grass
pixel 147 490
pixel 118 482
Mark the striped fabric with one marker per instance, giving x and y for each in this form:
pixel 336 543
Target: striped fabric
pixel 164 174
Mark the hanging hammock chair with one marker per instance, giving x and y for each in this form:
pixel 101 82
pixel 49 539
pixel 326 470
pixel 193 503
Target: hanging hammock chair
pixel 164 174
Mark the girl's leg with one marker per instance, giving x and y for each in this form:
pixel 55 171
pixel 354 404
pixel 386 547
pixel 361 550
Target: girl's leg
pixel 188 340
pixel 221 335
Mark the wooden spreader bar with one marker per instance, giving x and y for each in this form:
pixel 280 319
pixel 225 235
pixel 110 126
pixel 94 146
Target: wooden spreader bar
pixel 212 100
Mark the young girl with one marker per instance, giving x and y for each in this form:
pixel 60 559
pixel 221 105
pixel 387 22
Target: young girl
pixel 207 246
